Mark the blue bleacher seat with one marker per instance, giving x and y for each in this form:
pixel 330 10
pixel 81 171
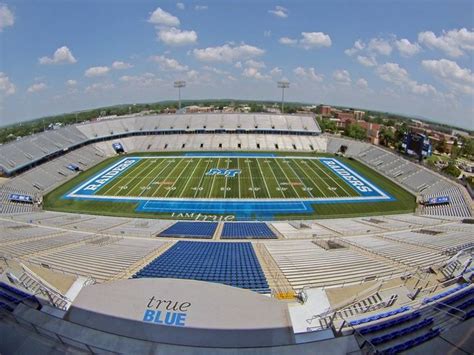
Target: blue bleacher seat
pixel 390 323
pixel 379 316
pixel 233 264
pixel 411 342
pixel 247 230
pixel 444 293
pixel 203 230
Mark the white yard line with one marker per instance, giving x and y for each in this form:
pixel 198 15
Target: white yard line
pixel 329 176
pixel 190 178
pixel 214 179
pixel 202 177
pixel 118 180
pixel 179 176
pixel 274 176
pixel 156 177
pixel 314 183
pixel 287 179
pixel 238 177
pixel 166 178
pixel 225 185
pixel 294 172
pixel 251 179
pixel 146 175
pixel 263 178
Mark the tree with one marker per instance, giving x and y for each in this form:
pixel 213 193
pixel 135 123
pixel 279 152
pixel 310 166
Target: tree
pixel 387 136
pixel 452 169
pixel 441 146
pixel 355 131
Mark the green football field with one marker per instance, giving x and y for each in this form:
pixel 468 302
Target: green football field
pixel 256 178
pixel 157 177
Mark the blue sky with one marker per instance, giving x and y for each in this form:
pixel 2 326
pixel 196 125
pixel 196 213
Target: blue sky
pixel 412 57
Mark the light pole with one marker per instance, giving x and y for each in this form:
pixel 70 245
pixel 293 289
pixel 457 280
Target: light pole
pixel 179 84
pixel 283 85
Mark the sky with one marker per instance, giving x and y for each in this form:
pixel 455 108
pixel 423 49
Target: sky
pixel 413 57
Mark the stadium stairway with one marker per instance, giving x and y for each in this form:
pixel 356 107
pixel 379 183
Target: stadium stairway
pixel 277 281
pixel 137 266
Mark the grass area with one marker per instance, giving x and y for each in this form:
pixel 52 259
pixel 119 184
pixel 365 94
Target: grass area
pixel 404 201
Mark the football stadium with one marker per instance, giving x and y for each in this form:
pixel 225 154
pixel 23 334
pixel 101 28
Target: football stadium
pixel 229 233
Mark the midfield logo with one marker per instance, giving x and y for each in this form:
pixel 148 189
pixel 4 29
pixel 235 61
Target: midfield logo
pixel 223 172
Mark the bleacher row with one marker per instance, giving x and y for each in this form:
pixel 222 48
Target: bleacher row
pixel 406 327
pixel 30 149
pixel 230 230
pixel 410 175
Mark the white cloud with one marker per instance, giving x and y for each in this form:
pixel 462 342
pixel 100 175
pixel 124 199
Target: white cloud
pixel 7 18
pixel 6 86
pixel 380 46
pixel 180 6
pixel 161 17
pixel 227 53
pixel 315 40
pixel 393 73
pixel 288 41
pixel 146 79
pixel 97 87
pixel 342 76
pixel 276 71
pixel 308 40
pixel 215 70
pixel 200 7
pixel 255 64
pixel 362 83
pixel 62 55
pixel 451 74
pixel 309 73
pixel 37 87
pixel 96 71
pixel 192 74
pixel 367 61
pixel 238 65
pixel 454 42
pixel 279 11
pixel 119 65
pixel 168 63
pixel 71 82
pixel 176 37
pixel 254 73
pixel 359 45
pixel 406 48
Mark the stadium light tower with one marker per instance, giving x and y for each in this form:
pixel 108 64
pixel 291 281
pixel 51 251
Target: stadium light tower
pixel 283 85
pixel 179 84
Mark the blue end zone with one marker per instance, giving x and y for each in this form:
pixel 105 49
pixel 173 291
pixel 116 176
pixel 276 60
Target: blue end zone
pixel 104 177
pixel 239 209
pixel 231 154
pixel 352 179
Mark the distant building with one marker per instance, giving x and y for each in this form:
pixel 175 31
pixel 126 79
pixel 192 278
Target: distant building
pixel 359 115
pixel 345 115
pixel 324 110
pixel 199 109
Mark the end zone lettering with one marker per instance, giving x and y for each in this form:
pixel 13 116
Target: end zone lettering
pixel 109 175
pixel 347 176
